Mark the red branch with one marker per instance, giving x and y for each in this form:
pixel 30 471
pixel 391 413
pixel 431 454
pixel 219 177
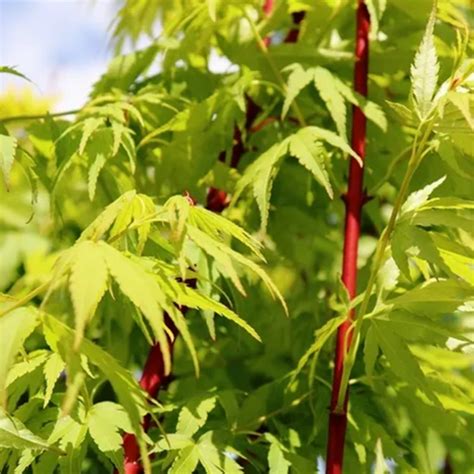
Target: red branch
pixel 354 200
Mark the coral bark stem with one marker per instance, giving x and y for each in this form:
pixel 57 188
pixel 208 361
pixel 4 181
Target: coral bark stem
pixel 354 200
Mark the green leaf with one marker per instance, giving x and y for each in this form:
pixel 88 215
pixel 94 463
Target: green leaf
pixel 89 126
pixel 326 85
pixel 186 461
pixel 212 9
pixel 334 140
pixel 52 370
pixel 193 299
pixel 435 291
pixel 194 415
pixel 321 336
pixel 418 198
pixel 311 155
pixel 376 10
pixel 15 327
pixel 277 463
pixel 87 283
pixel 104 421
pixel 260 174
pixel 425 68
pixel 214 457
pixel 142 290
pixel 94 172
pixel 13 71
pixel 401 360
pixel 129 394
pixel 297 81
pixel 14 435
pixel 380 466
pixel 371 351
pixel 225 255
pixel 102 223
pixel 8 146
pixel 173 441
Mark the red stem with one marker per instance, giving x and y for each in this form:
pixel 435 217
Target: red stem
pixel 354 200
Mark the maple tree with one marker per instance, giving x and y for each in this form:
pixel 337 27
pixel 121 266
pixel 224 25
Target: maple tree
pixel 171 253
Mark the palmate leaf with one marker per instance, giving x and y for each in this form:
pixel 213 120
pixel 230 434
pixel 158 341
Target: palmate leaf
pixel 15 327
pixel 306 146
pixel 334 94
pixel 425 68
pixel 261 174
pixel 106 218
pixel 225 257
pixel 14 435
pixel 142 290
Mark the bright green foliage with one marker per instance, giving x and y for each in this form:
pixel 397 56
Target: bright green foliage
pixel 93 278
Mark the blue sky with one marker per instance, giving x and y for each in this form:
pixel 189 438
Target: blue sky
pixel 61 45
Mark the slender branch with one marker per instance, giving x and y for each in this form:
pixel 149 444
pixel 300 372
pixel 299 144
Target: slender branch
pixel 26 299
pixel 20 118
pixel 418 152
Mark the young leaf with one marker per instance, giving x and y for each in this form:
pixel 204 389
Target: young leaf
pixel 425 68
pixel 186 461
pixel 87 283
pixel 52 370
pixel 104 421
pixel 15 327
pixel 418 198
